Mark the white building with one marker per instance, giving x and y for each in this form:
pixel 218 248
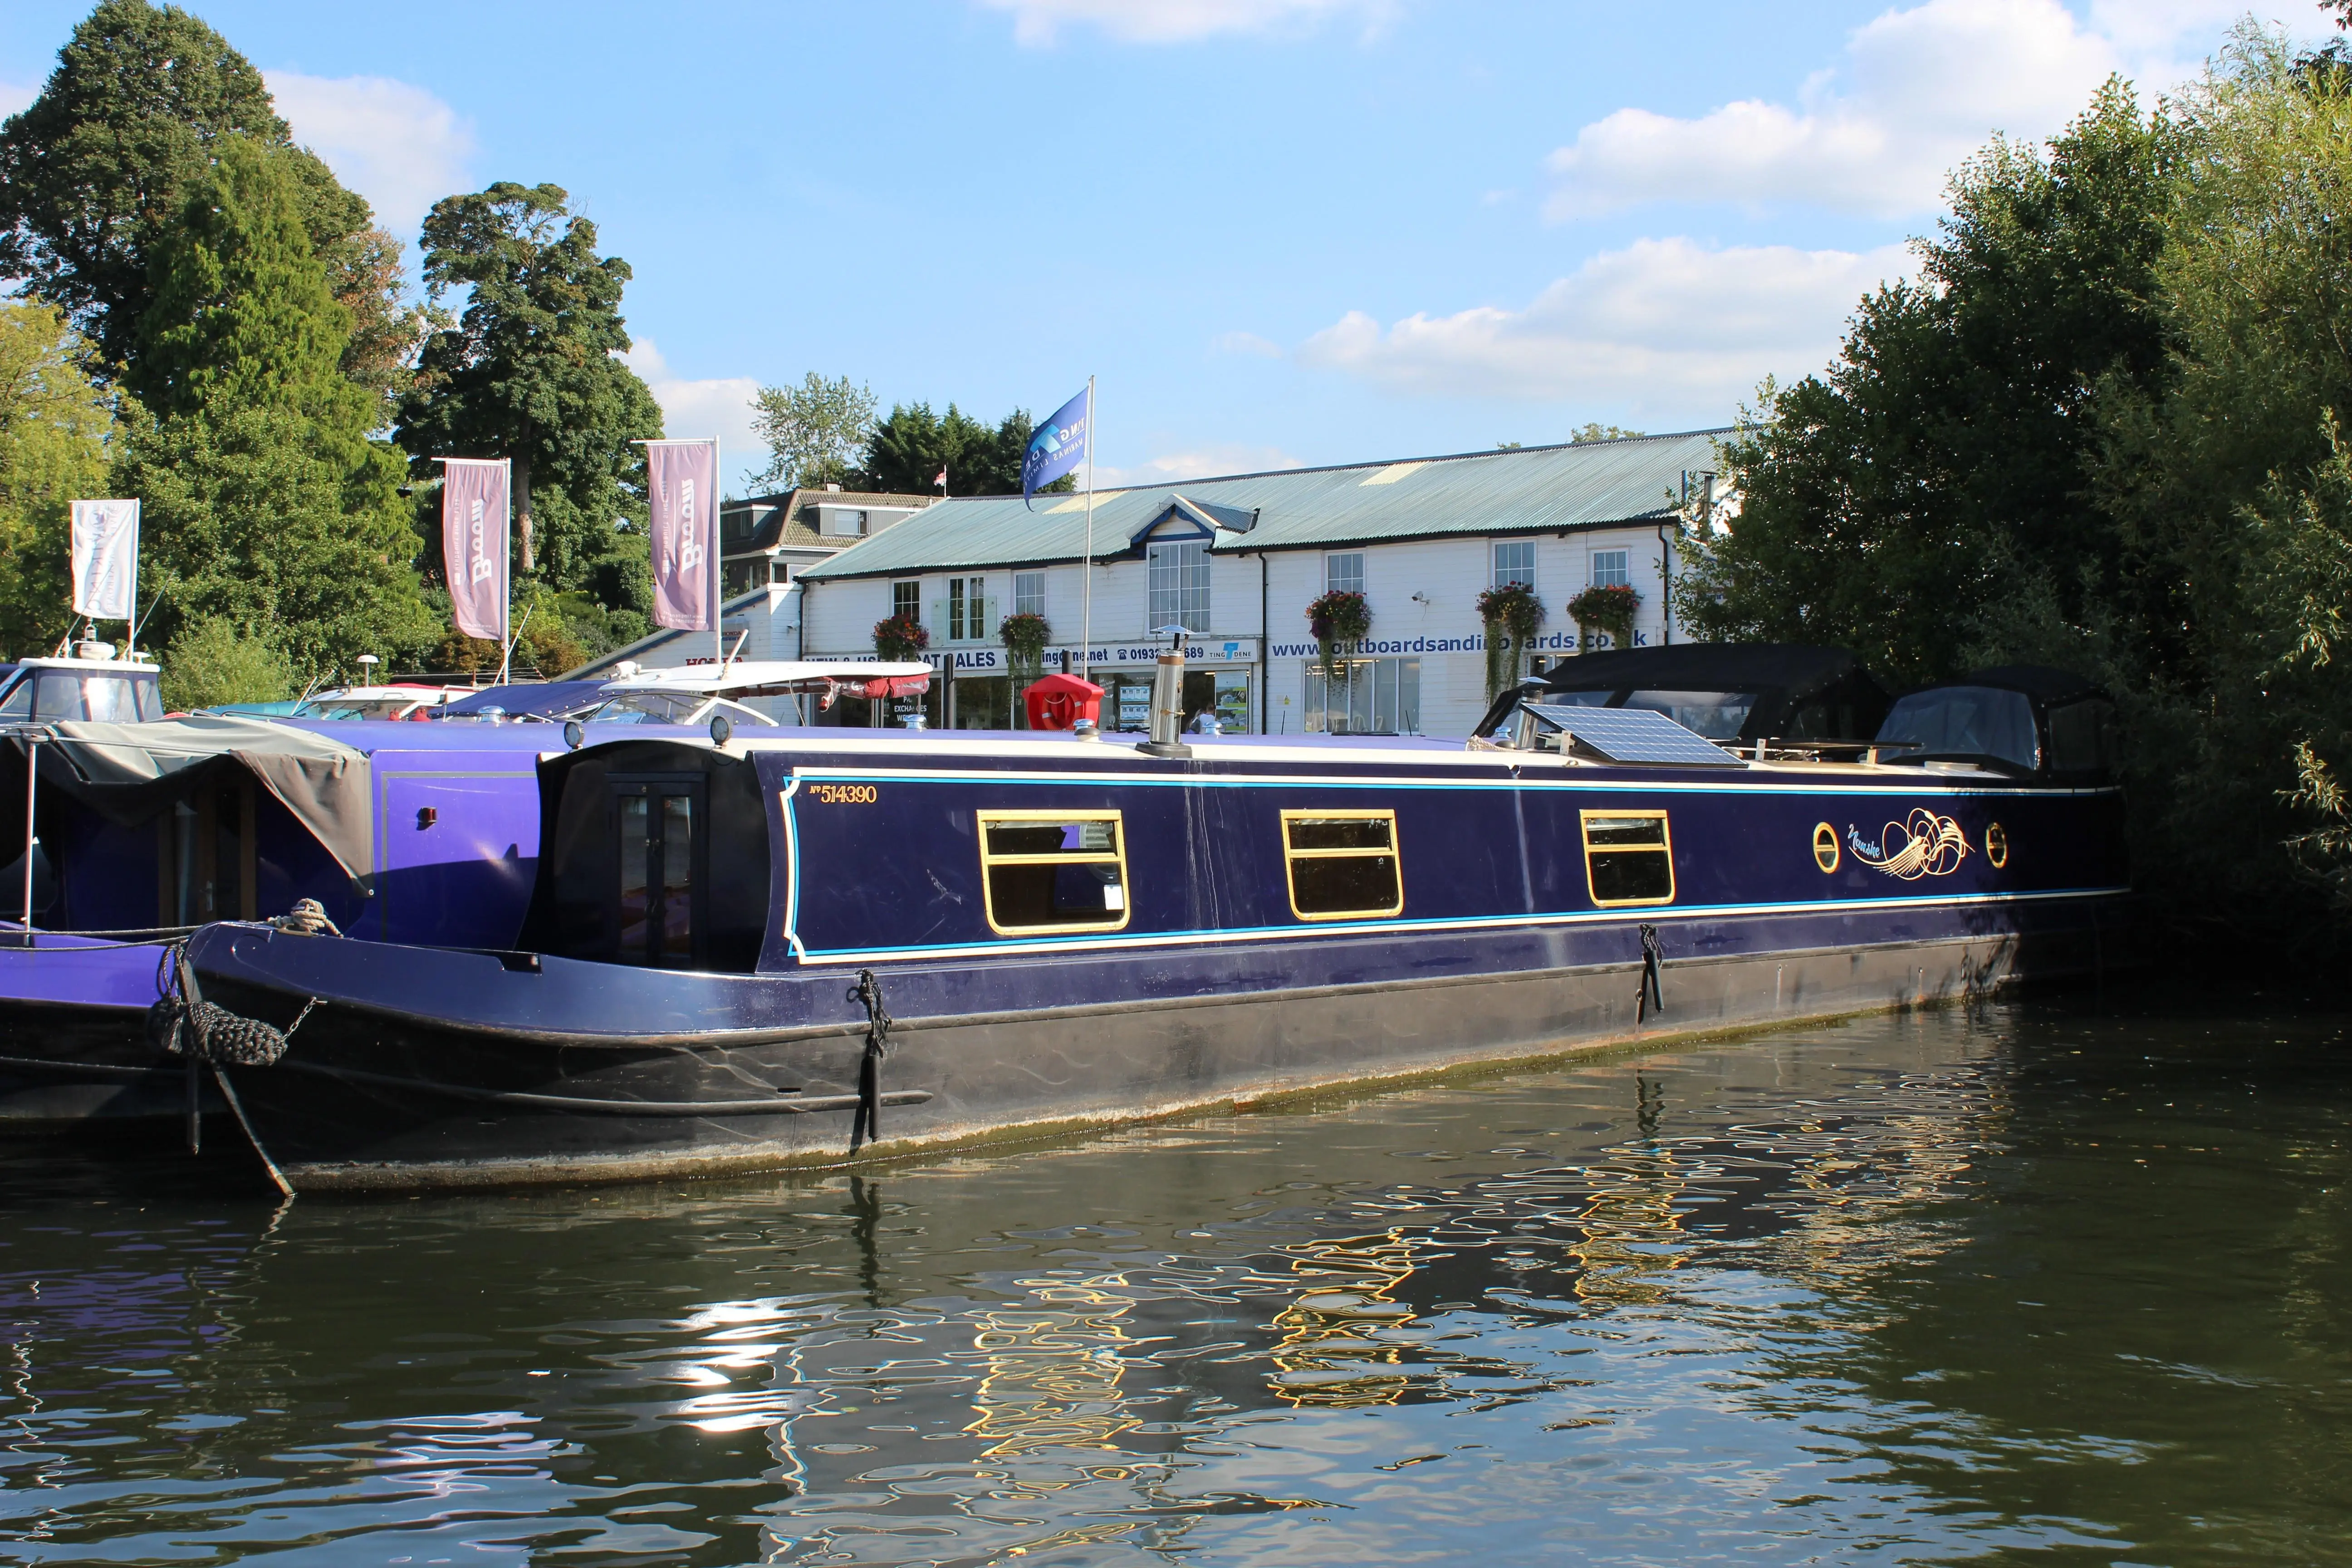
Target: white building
pixel 1237 560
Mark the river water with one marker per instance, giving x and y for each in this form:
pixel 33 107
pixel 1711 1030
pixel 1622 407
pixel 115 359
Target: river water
pixel 2044 1283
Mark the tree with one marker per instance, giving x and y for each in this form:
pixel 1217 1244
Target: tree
pixel 1897 503
pixel 213 661
pixel 1586 432
pixel 54 427
pixel 529 371
pixel 266 504
pixel 97 168
pixel 816 432
pixel 909 448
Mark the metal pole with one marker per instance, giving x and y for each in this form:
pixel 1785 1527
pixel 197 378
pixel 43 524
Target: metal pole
pixel 32 781
pixel 719 486
pixel 1087 616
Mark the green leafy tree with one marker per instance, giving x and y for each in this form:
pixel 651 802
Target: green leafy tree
pixel 54 427
pixel 816 432
pixel 266 504
pixel 911 446
pixel 529 371
pixel 95 171
pixel 214 660
pixel 1894 503
pixel 1584 434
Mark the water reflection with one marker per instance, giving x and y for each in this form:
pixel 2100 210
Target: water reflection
pixel 2033 1283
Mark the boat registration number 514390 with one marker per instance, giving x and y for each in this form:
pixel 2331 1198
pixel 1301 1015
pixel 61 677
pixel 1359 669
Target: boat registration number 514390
pixel 844 793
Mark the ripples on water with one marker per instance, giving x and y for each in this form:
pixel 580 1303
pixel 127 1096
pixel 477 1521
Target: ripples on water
pixel 2031 1286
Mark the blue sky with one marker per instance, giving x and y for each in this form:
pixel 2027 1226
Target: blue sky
pixel 1279 231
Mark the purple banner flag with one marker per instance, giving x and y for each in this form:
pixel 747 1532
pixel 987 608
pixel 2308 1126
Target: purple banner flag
pixel 682 484
pixel 474 544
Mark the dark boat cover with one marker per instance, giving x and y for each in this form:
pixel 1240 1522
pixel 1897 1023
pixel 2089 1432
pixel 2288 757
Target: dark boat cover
pixel 1800 692
pixel 128 773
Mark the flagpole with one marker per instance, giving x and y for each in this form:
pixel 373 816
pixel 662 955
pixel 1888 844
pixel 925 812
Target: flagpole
pixel 506 573
pixel 717 631
pixel 1087 615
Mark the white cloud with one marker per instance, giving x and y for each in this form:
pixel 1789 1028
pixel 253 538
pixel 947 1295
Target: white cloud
pixel 1201 462
pixel 1915 93
pixel 1037 23
pixel 391 142
pixel 1666 325
pixel 1248 343
pixel 722 407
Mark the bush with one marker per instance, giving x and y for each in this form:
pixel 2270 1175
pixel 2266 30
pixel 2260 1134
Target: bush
pixel 213 661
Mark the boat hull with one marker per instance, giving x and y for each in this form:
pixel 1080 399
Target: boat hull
pixel 538 1074
pixel 73 1039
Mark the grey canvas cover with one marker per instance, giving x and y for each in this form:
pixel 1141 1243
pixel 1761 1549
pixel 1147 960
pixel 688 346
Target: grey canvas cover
pixel 129 773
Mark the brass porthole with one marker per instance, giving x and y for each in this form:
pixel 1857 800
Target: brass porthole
pixel 1825 847
pixel 1997 844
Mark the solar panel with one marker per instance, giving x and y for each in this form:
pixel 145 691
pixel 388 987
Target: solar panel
pixel 1633 735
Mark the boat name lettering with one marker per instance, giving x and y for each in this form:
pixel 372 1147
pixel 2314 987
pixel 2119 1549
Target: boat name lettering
pixel 1922 844
pixel 845 794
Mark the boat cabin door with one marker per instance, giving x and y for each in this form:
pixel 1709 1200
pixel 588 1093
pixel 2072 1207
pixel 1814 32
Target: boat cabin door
pixel 664 853
pixel 205 860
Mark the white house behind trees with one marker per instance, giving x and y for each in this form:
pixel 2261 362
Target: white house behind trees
pixel 1238 559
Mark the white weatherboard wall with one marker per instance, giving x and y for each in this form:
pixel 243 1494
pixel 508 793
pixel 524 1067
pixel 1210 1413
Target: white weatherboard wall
pixel 1444 632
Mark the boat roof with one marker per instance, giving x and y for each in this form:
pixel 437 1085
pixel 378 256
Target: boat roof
pixel 85 666
pixel 752 676
pixel 1797 667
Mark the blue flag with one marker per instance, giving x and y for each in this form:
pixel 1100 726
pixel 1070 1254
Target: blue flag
pixel 1059 445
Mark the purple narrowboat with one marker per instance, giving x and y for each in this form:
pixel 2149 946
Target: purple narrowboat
pixel 801 945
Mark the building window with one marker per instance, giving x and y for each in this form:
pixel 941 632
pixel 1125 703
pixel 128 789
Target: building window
pixel 844 523
pixel 966 608
pixel 1053 871
pixel 1028 593
pixel 1371 696
pixel 1613 568
pixel 1515 561
pixel 1342 864
pixel 1178 575
pixel 1344 573
pixel 906 600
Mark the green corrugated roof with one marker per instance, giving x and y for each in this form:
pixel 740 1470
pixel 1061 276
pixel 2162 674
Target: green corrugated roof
pixel 1530 488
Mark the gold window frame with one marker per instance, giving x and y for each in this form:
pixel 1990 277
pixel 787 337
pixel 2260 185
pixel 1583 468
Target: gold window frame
pixel 1665 846
pixel 1290 859
pixel 989 861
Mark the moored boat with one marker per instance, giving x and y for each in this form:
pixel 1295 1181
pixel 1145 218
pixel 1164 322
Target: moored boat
pixel 802 946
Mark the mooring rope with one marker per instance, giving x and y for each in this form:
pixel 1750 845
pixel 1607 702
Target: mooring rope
pixel 1646 995
pixel 867 1126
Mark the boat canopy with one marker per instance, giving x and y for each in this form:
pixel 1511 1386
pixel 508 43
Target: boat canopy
pixel 129 773
pixel 1743 692
pixel 115 690
pixel 2019 719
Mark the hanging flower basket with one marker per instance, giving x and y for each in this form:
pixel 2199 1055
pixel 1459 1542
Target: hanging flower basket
pixel 1512 613
pixel 899 637
pixel 1338 618
pixel 1025 637
pixel 1607 609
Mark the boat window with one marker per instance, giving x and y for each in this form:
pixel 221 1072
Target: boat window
pixel 1717 715
pixel 1629 858
pixel 1962 722
pixel 18 704
pixel 1342 863
pixel 101 699
pixel 1052 871
pixel 2082 737
pixel 658 822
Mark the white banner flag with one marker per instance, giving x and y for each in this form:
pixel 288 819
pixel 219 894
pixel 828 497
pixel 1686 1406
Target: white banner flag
pixel 105 559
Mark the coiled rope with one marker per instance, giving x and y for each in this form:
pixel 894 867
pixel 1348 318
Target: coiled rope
pixel 1646 995
pixel 867 1125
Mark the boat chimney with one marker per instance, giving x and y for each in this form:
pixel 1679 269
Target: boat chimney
pixel 1168 699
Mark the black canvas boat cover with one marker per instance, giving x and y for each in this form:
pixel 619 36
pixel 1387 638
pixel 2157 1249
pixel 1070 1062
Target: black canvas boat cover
pixel 129 773
pixel 1802 692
